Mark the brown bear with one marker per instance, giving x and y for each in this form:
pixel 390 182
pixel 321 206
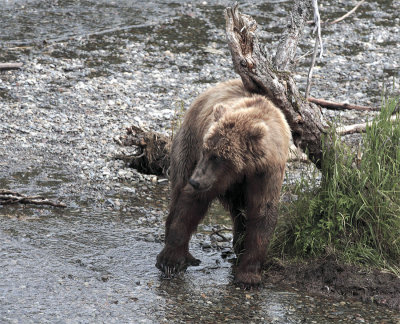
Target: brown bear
pixel 232 145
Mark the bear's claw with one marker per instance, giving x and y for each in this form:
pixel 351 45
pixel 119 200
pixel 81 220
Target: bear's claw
pixel 248 280
pixel 191 260
pixel 168 271
pixel 171 263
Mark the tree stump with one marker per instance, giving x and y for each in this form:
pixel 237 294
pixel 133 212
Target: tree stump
pixel 153 150
pixel 273 78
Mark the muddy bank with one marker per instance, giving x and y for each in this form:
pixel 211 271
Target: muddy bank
pixel 328 278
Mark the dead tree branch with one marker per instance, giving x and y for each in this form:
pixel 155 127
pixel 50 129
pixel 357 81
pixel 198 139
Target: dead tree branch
pixel 339 106
pixel 288 44
pixel 153 150
pixel 317 28
pixel 318 41
pixel 217 232
pixel 328 22
pixel 8 197
pixel 10 66
pixel 357 128
pixel 347 14
pixel 311 70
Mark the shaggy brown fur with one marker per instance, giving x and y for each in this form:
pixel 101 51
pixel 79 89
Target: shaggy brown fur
pixel 233 146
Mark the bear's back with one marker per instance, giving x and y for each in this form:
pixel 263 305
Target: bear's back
pixel 199 115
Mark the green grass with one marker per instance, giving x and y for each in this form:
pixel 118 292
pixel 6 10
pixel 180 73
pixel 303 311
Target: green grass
pixel 353 213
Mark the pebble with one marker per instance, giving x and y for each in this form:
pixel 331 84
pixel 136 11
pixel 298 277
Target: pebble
pixel 130 190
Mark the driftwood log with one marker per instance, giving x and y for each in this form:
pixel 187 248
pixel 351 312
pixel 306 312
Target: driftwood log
pixel 152 156
pixel 8 197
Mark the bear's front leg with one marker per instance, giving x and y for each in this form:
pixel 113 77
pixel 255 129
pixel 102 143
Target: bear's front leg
pixel 173 260
pixel 185 214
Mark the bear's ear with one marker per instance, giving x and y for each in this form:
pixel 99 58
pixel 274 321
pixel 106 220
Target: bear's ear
pixel 218 111
pixel 257 131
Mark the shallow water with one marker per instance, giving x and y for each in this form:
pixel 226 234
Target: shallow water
pixel 92 68
pixel 80 265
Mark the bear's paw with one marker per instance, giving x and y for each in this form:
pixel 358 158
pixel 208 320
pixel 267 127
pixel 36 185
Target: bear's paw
pixel 248 280
pixel 171 261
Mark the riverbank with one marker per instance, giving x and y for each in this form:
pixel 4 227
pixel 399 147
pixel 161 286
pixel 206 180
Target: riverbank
pixel 328 278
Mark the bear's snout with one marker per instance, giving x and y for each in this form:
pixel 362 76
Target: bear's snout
pixel 195 184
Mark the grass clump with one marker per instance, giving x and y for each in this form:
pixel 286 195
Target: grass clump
pixel 354 212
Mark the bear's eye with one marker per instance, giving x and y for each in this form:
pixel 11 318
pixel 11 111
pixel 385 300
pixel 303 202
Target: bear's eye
pixel 214 158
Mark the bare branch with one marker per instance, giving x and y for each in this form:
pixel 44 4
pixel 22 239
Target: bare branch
pixel 310 71
pixel 347 14
pixel 317 28
pixel 318 40
pixel 340 106
pixel 218 233
pixel 10 66
pixel 357 128
pixel 8 197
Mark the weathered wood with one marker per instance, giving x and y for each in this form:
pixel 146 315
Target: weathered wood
pixel 288 43
pixel 311 70
pixel 347 14
pixel 260 75
pixel 340 106
pixel 153 150
pixel 10 66
pixel 8 197
pixel 358 128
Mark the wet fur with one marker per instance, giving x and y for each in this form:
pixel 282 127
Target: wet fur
pixel 234 145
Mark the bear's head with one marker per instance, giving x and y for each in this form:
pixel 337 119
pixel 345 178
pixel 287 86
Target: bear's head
pixel 233 147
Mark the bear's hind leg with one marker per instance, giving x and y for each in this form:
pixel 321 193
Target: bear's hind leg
pixel 239 231
pixel 185 214
pixel 262 195
pixel 256 240
pixel 233 201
